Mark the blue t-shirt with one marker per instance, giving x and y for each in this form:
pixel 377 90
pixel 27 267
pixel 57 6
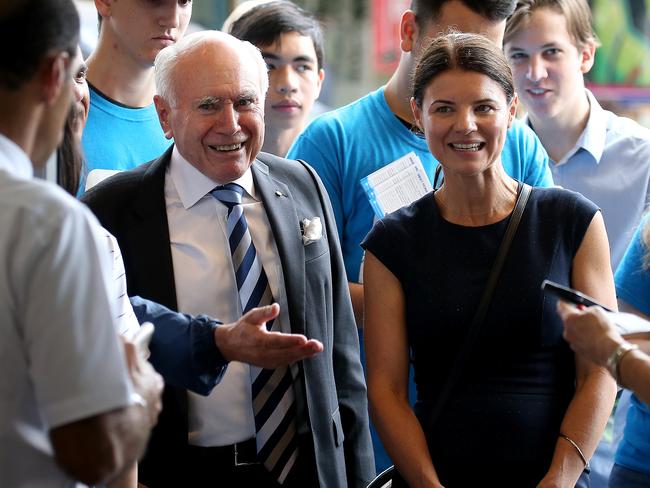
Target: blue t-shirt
pixel 120 138
pixel 633 286
pixel 348 144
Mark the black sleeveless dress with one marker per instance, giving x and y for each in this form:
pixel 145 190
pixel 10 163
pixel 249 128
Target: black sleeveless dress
pixel 501 422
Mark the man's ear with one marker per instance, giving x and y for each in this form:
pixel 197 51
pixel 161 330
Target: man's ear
pixel 164 113
pixel 587 55
pixel 104 7
pixel 321 77
pixel 55 76
pixel 407 31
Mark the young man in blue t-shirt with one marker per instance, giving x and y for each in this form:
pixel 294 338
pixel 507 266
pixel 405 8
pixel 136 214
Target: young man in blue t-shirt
pixel 291 41
pixel 123 130
pixel 349 143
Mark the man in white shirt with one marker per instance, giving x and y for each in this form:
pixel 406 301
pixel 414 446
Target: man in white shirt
pixel 181 247
pixel 68 410
pixel 550 47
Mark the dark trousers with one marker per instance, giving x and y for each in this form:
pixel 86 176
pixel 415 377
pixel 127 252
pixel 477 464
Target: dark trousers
pixel 215 467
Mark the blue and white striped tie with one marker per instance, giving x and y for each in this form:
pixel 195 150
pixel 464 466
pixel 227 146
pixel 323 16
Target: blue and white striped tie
pixel 272 389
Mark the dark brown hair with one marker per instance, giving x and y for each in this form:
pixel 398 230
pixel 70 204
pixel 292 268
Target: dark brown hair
pixel 69 157
pixel 493 10
pixel 467 52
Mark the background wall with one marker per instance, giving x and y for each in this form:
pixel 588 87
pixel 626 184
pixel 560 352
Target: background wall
pixel 362 46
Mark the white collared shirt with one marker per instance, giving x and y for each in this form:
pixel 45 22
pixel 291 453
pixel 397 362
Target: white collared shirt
pixel 60 356
pixel 13 159
pixel 610 165
pixel 205 284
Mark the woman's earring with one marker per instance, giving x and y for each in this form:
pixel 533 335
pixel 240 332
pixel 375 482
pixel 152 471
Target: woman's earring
pixel 415 128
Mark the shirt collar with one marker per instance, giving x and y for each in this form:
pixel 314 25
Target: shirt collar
pixel 593 136
pixel 192 185
pixel 14 160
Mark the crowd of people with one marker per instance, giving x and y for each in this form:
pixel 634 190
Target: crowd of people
pixel 240 229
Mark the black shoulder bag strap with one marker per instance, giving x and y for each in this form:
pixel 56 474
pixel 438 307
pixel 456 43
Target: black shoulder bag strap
pixel 484 304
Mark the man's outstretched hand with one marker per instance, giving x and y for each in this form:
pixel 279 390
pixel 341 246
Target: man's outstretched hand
pixel 248 341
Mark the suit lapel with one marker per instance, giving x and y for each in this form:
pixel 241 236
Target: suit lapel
pixel 285 224
pixel 152 234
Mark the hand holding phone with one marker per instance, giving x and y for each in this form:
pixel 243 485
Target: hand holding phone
pixel 626 323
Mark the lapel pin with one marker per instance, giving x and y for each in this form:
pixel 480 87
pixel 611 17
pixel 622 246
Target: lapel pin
pixel 278 193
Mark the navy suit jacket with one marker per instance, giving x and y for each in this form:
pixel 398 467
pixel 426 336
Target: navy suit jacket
pixel 131 205
pixel 182 349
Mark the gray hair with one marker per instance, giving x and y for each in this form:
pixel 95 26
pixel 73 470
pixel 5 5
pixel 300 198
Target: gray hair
pixel 167 59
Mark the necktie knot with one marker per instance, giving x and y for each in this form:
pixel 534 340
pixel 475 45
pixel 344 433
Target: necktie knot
pixel 229 194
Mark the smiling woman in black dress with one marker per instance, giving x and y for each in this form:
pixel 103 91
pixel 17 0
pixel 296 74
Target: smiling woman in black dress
pixel 524 410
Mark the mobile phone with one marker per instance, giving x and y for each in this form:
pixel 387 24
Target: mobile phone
pixel 142 337
pixel 570 295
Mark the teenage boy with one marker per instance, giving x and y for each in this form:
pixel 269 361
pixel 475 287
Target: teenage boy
pixel 291 42
pixel 550 45
pixel 123 130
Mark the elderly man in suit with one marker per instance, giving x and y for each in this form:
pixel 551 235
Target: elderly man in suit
pixel 213 226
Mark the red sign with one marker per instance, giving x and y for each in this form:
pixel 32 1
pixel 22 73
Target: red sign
pixel 386 16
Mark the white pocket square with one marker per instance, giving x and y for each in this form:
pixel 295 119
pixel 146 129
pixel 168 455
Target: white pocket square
pixel 312 230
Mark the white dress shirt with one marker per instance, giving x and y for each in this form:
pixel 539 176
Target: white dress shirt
pixel 610 165
pixel 205 283
pixel 60 356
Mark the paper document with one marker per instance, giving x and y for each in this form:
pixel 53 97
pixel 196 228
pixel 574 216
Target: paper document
pixel 97 176
pixel 400 183
pixel 628 323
